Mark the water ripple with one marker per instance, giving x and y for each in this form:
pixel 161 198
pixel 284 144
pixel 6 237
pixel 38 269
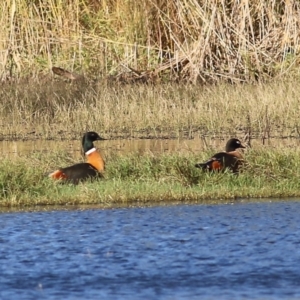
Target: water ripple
pixel 240 251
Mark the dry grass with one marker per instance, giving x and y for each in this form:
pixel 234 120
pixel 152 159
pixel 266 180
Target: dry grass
pixel 204 41
pixel 59 110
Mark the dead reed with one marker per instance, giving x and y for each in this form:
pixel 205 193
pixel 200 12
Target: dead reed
pixel 197 41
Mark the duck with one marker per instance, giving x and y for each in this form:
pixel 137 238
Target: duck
pixel 91 169
pixel 230 159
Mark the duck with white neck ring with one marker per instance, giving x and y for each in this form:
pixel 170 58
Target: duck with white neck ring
pixel 91 169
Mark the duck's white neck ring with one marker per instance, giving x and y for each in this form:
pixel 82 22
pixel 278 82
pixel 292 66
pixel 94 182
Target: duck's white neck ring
pixel 90 151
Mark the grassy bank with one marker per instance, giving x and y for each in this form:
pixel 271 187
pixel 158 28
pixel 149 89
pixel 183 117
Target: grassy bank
pixel 59 110
pixel 143 179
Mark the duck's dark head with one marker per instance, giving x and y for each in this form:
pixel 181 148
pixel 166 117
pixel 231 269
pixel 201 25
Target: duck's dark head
pixel 233 144
pixel 89 138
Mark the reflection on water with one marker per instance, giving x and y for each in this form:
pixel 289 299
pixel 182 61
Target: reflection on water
pixel 236 251
pixel 13 149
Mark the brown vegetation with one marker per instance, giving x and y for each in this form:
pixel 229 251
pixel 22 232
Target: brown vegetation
pixel 151 40
pixel 63 110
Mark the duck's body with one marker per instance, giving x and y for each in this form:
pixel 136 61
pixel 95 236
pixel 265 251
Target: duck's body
pixel 230 159
pixel 93 168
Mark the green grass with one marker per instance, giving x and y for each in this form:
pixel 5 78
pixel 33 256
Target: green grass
pixel 135 179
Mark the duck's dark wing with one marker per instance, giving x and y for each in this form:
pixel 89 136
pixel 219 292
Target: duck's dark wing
pixel 213 164
pixel 76 173
pixel 221 161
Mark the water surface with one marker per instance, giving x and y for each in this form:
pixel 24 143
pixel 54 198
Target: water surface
pixel 233 251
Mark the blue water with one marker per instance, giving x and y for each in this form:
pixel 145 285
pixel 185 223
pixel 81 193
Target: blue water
pixel 238 251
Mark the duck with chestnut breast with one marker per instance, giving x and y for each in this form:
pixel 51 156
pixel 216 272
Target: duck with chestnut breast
pixel 91 169
pixel 231 159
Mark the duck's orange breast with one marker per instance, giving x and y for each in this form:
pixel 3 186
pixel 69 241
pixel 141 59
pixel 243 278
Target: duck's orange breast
pixel 236 153
pixel 95 159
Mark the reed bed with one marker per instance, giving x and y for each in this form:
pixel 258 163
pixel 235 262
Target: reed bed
pixel 191 40
pixel 142 179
